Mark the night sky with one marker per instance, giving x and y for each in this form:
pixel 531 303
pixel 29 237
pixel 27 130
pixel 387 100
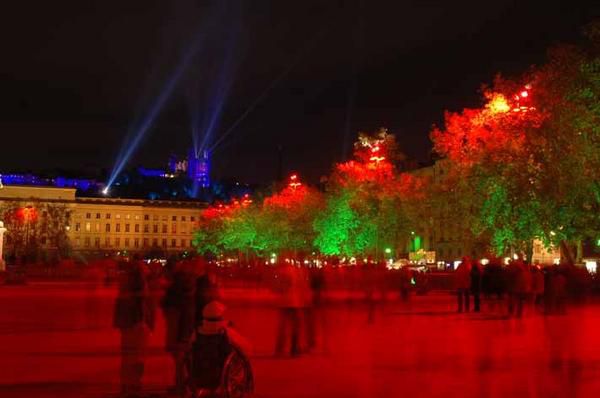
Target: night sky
pixel 77 76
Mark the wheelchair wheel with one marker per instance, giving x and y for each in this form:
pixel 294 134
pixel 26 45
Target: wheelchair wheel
pixel 238 381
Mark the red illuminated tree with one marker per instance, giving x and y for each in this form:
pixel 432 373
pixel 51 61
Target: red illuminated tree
pixel 528 160
pixel 36 231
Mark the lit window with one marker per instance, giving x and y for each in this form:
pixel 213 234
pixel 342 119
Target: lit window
pixel 118 216
pixel 137 216
pixel 97 227
pixel 127 216
pixel 88 226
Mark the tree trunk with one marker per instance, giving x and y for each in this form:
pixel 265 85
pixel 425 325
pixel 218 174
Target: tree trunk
pixel 529 251
pixel 579 246
pixel 566 252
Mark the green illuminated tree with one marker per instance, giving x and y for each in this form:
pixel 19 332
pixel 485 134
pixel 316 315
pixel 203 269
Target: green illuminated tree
pixel 367 201
pixel 527 163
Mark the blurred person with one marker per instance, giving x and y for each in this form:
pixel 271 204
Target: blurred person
pixel 206 288
pixel 134 317
pixel 422 282
pixel 405 283
pixel 519 283
pixel 178 310
pixel 290 301
pixel 313 316
pixel 559 288
pixel 476 285
pixel 462 283
pixel 537 286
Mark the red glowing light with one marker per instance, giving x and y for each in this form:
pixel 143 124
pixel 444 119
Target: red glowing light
pixel 27 214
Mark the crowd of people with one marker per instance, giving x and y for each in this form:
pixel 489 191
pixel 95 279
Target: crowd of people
pixel 543 289
pixel 187 292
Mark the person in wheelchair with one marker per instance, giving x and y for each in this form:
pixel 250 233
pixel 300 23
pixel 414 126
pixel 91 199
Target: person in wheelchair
pixel 217 364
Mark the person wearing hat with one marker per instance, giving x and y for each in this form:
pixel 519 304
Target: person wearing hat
pixel 214 322
pixel 214 341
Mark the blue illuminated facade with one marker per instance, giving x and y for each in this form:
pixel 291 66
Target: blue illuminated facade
pixel 60 182
pixel 199 168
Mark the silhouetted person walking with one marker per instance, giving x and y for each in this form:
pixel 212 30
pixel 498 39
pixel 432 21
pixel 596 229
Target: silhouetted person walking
pixel 476 286
pixel 178 310
pixel 134 317
pixel 462 282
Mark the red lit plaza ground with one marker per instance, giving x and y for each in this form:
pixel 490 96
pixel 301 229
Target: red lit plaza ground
pixel 50 347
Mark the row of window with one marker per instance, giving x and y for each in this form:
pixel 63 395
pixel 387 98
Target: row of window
pixel 127 242
pixel 127 228
pixel 137 217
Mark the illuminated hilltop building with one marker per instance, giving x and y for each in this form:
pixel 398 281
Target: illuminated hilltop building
pixel 198 167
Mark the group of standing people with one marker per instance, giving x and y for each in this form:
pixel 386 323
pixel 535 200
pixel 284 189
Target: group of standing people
pixel 519 282
pixel 188 288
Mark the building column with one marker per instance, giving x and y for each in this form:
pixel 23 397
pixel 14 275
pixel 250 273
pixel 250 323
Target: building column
pixel 2 231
